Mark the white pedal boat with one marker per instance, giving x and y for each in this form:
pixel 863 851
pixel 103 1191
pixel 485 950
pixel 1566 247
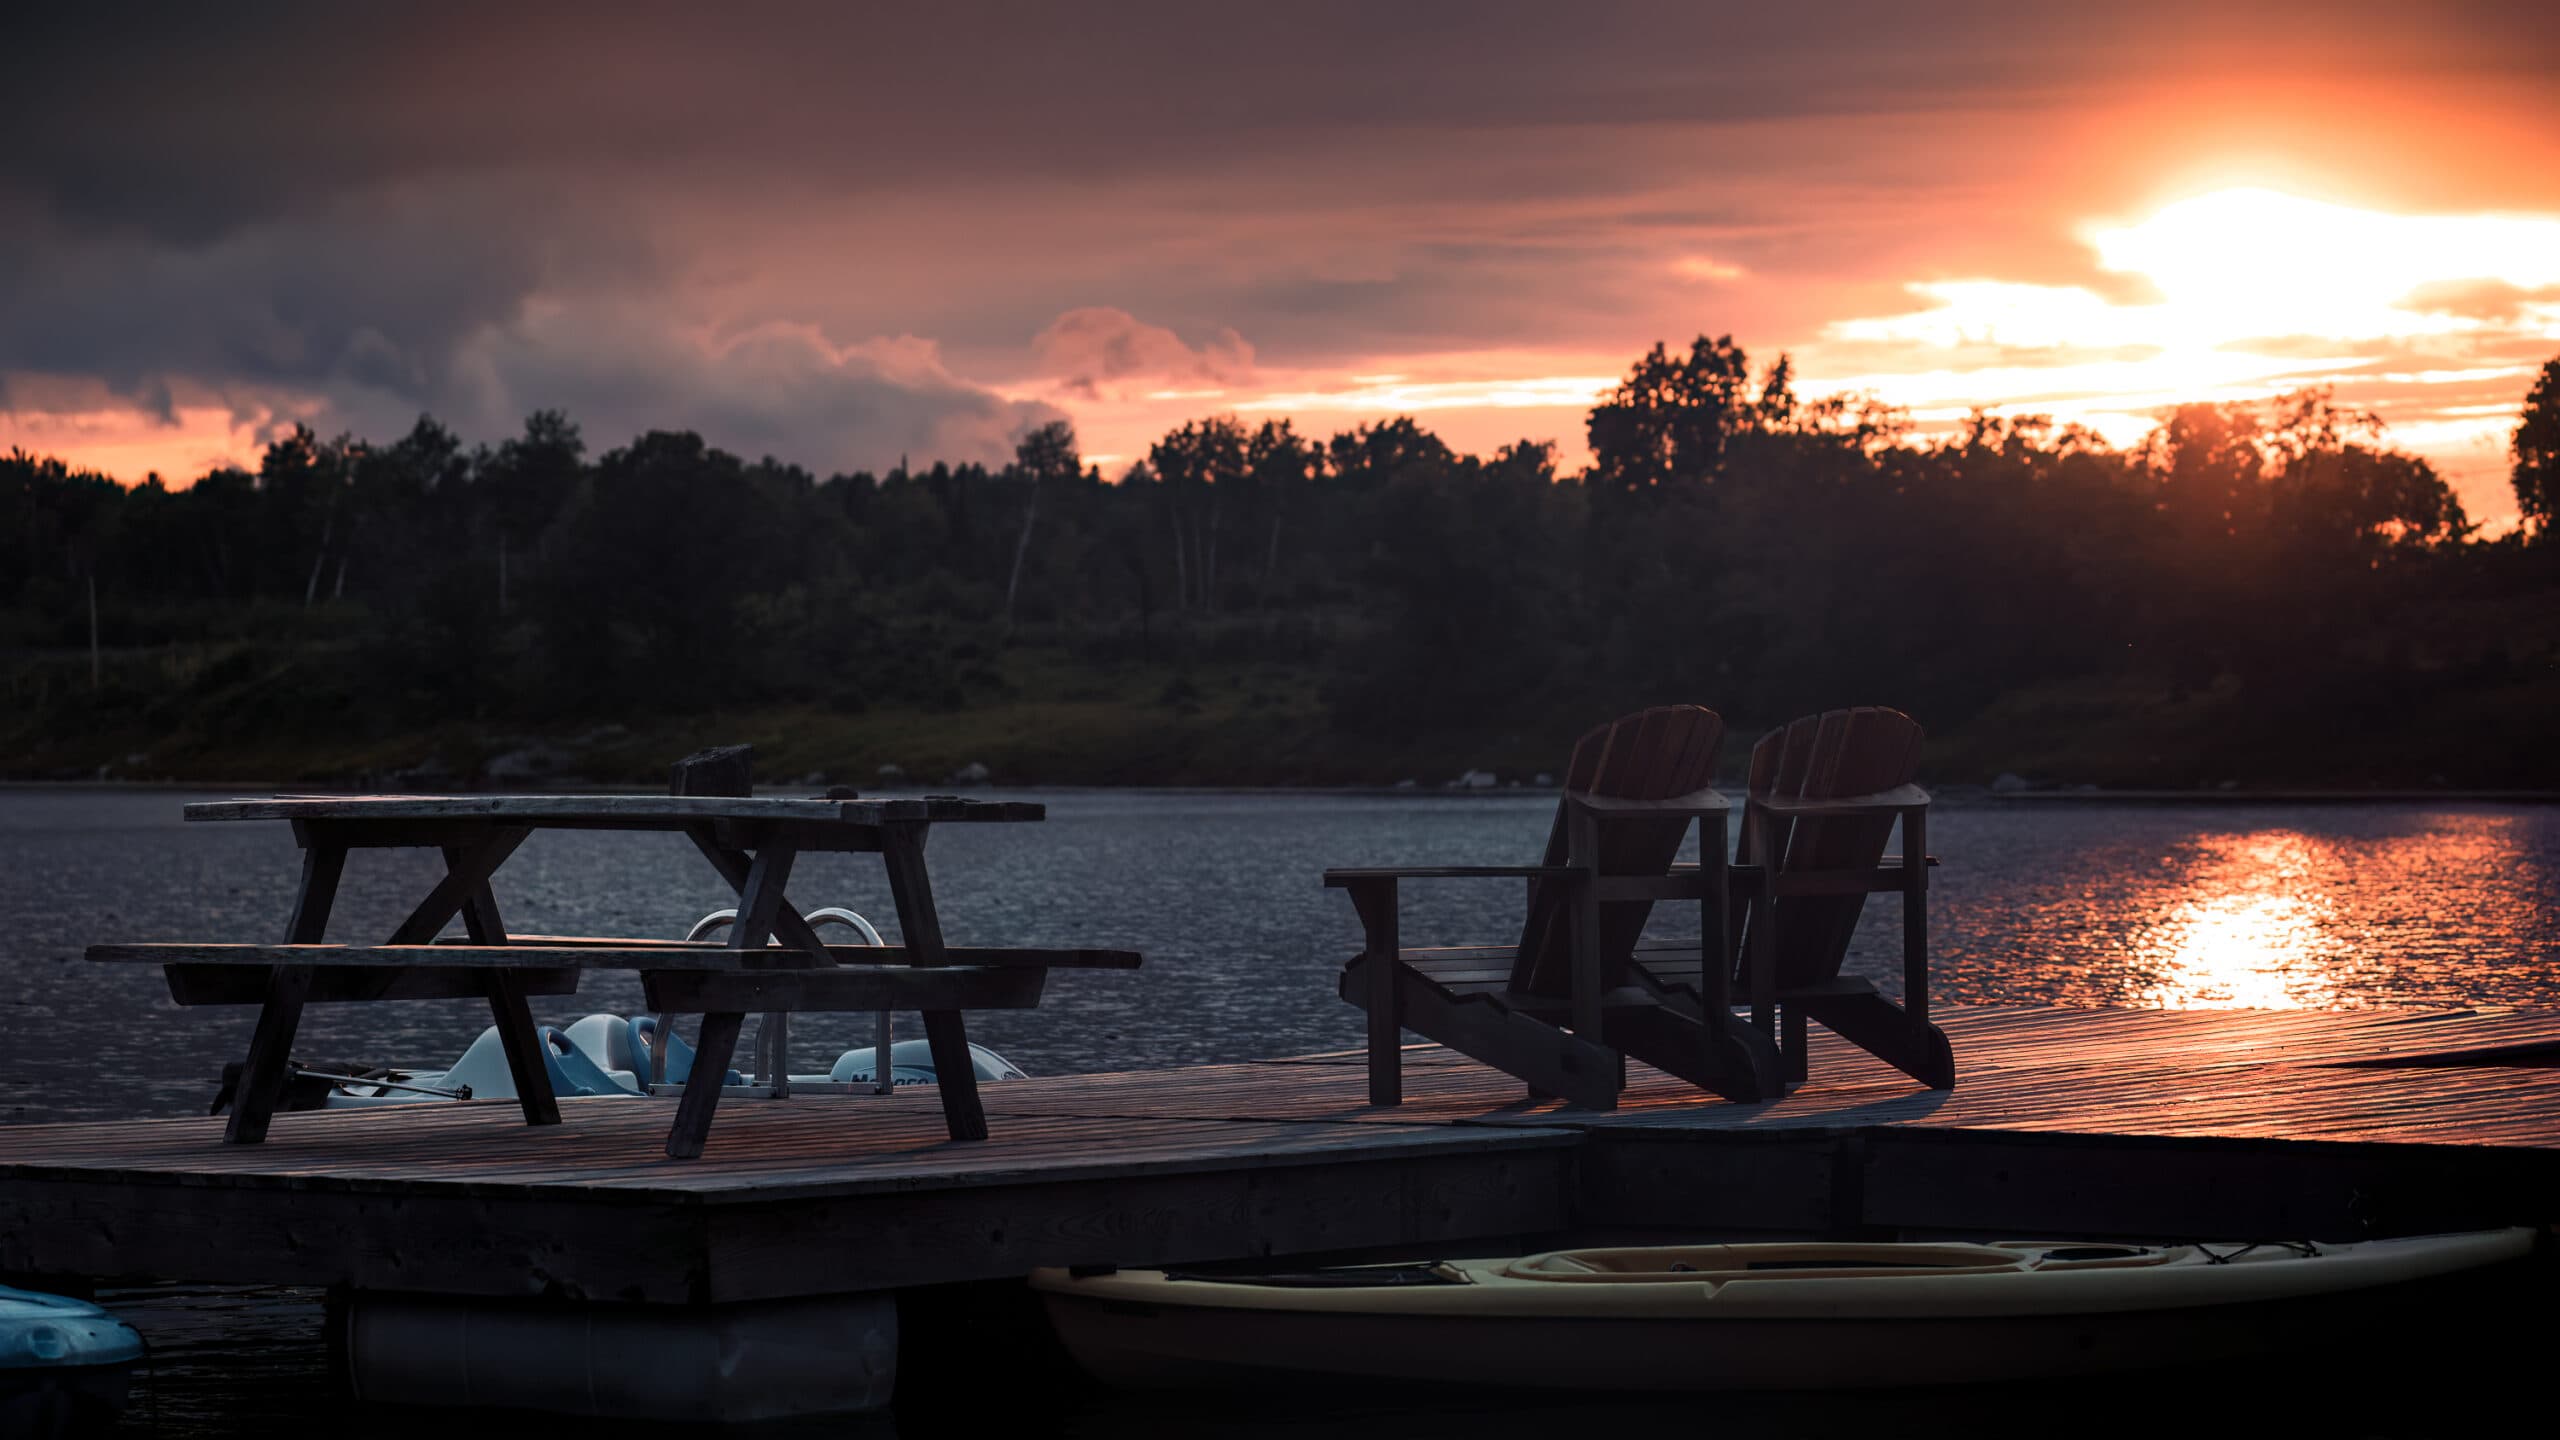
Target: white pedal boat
pixel 605 1054
pixel 1760 1316
pixel 609 1055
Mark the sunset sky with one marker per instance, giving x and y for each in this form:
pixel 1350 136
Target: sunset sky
pixel 839 238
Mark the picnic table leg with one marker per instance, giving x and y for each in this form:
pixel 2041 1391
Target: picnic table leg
pixel 507 1007
pixel 773 1036
pixel 760 907
pixel 262 1074
pixel 713 1044
pixel 955 1072
pixel 523 1044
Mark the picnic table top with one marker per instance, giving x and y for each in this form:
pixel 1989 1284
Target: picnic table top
pixel 583 953
pixel 669 811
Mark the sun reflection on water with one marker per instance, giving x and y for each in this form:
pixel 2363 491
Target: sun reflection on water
pixel 2284 918
pixel 2256 928
pixel 2259 908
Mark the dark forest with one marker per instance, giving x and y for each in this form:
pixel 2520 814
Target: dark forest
pixel 2257 595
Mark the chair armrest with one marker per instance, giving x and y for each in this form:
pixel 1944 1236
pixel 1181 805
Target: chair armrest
pixel 1883 802
pixel 1356 875
pixel 1373 890
pixel 1696 802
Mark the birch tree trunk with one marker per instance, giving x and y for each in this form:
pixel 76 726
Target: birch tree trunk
pixel 1209 563
pixel 1271 560
pixel 320 558
pixel 1021 548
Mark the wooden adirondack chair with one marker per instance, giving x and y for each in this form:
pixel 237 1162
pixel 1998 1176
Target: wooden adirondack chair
pixel 1562 1006
pixel 1825 794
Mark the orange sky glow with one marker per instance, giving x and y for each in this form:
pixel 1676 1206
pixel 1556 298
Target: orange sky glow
pixel 2092 218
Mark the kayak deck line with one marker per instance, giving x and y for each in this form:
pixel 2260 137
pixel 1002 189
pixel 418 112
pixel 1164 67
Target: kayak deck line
pixel 2140 1126
pixel 1818 1281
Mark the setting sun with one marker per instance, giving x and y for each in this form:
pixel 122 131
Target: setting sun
pixel 2257 273
pixel 2243 265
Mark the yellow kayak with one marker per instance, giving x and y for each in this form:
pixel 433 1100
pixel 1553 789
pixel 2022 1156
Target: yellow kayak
pixel 1758 1316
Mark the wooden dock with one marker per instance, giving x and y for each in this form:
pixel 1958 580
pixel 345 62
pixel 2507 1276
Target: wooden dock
pixel 2080 1122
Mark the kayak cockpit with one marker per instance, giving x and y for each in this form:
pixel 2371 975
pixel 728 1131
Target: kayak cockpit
pixel 1691 1264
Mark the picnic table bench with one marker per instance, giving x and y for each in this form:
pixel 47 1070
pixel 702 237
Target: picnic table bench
pixel 772 961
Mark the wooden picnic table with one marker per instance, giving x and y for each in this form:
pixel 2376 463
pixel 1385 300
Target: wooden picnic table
pixel 772 960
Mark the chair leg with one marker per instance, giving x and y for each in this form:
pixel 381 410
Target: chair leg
pixel 1551 1061
pixel 1722 1053
pixel 1386 1053
pixel 1744 1050
pixel 1376 902
pixel 1386 1030
pixel 1796 1044
pixel 1888 1032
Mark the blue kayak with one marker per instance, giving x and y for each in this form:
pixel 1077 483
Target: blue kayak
pixel 65 1365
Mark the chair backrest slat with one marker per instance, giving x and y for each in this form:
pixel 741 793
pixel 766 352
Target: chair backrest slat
pixel 1656 754
pixel 1827 756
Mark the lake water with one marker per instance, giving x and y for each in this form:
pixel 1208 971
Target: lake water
pixel 2084 904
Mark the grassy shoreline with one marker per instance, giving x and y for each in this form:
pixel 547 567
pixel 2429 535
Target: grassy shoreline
pixel 253 717
pixel 1958 796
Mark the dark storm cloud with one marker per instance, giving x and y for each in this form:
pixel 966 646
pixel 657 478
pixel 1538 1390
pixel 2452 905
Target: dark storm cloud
pixel 377 288
pixel 476 300
pixel 354 219
pixel 197 119
pixel 780 390
pixel 187 119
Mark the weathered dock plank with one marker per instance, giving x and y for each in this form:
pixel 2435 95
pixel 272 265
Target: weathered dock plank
pixel 2259 1075
pixel 2065 1121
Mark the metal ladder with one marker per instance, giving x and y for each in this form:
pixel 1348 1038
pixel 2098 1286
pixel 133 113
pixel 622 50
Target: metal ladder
pixel 771 1052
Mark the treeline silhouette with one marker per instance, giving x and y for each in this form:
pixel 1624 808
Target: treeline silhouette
pixel 1729 541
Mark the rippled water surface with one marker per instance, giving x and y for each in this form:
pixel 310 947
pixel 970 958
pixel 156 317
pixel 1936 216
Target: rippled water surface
pixel 2079 904
pixel 2334 905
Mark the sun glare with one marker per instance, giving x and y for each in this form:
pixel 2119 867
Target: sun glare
pixel 2253 270
pixel 2251 264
